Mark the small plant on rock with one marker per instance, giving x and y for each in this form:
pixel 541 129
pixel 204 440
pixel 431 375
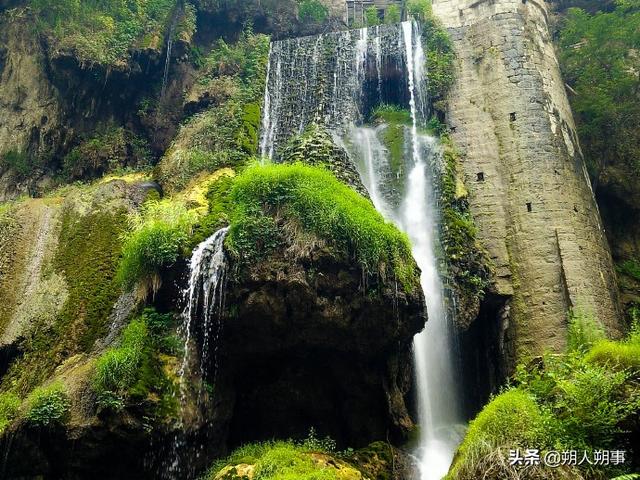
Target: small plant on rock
pixel 47 406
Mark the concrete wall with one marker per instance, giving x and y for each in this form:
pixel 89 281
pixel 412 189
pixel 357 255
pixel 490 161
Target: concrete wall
pixel 535 209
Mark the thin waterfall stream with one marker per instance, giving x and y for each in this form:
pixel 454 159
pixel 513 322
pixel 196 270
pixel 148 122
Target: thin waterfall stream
pixel 338 82
pixel 204 303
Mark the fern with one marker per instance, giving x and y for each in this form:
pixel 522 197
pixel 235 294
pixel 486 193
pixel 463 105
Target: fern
pixel 629 476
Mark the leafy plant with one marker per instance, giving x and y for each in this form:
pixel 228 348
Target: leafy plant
pixel 419 9
pixel 118 368
pixel 312 11
pixel 584 331
pixel 371 17
pixel 599 61
pixel 392 14
pixel 48 405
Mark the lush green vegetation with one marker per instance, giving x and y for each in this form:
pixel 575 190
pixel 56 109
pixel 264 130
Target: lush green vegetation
pixel 158 235
pixel 131 371
pixel 371 17
pixel 322 205
pixel 290 460
pixel 9 408
pixel 598 57
pixel 440 57
pixel 587 399
pixel 48 405
pixel 392 14
pixel 419 9
pixel 227 133
pixel 110 149
pixel 312 11
pixel 105 31
pixel 630 268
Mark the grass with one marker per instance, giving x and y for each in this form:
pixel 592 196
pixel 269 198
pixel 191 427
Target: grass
pixel 132 371
pixel 587 399
pixel 322 205
pixel 630 268
pixel 157 237
pixel 280 460
pixel 9 409
pixel 48 405
pixel 226 134
pixel 118 368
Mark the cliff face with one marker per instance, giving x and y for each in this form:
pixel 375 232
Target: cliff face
pixel 529 191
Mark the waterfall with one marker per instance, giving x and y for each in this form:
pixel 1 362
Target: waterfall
pixel 167 60
pixel 204 299
pixel 355 71
pixel 321 79
pixel 204 293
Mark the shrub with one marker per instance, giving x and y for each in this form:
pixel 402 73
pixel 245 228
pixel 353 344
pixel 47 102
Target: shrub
pixel 323 206
pixel 392 14
pixel 104 32
pixel 312 11
pixel 279 461
pixel 419 9
pixel 18 161
pixel 589 404
pixel 118 368
pixel 9 407
pixel 108 150
pixel 584 331
pixel 371 17
pixel 48 405
pixel 157 237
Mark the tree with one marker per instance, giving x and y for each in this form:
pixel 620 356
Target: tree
pixel 392 14
pixel 599 60
pixel 312 11
pixel 419 9
pixel 371 17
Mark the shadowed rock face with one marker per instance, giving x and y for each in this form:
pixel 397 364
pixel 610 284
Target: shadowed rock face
pixel 310 345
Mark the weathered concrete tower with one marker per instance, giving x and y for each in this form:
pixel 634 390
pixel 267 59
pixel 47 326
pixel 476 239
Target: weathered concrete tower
pixel 529 191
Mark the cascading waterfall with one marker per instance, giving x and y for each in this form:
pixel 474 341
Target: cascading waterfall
pixel 336 94
pixel 207 274
pixel 204 302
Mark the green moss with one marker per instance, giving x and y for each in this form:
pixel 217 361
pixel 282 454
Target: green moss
pixel 47 406
pixel 323 206
pixel 87 257
pixel 391 114
pixel 9 408
pixel 465 259
pixel 159 233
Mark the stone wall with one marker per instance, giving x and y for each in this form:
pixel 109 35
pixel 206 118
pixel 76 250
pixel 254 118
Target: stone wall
pixel 529 191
